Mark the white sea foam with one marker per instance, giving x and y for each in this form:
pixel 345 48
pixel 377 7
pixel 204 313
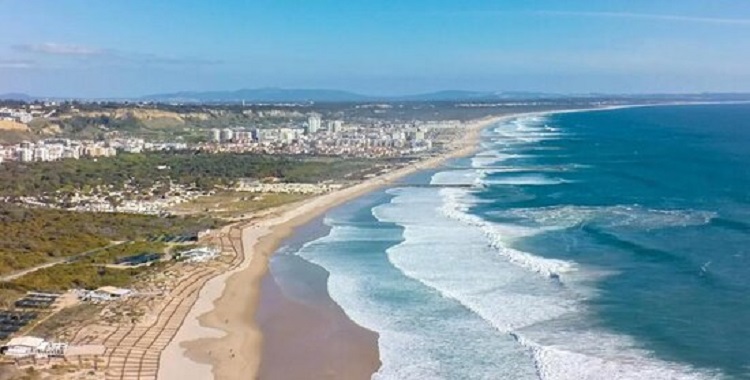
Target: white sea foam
pixel 351 288
pixel 353 234
pixel 500 168
pixel 457 177
pixel 413 323
pixel 610 357
pixel 533 306
pixel 492 157
pixel 634 216
pixel 500 235
pixel 525 130
pixel 529 179
pixel 446 254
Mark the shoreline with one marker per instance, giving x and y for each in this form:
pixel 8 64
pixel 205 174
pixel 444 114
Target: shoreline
pixel 308 335
pixel 220 336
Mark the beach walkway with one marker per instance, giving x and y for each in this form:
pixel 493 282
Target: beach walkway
pixel 133 350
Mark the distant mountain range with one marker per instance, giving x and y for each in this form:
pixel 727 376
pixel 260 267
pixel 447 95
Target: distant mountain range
pixel 275 95
pixel 16 96
pixel 280 95
pixel 271 95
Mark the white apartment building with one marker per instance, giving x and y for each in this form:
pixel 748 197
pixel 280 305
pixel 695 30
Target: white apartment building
pixel 227 134
pixel 337 126
pixel 313 124
pixel 215 135
pixel 25 155
pixel 41 154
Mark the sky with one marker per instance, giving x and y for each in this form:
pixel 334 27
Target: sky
pixel 128 48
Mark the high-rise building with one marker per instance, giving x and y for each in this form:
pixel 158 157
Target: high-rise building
pixel 243 136
pixel 55 152
pixel 25 155
pixel 71 153
pixel 286 135
pixel 337 125
pixel 313 124
pixel 41 154
pixel 227 134
pixel 257 135
pixel 416 135
pixel 215 135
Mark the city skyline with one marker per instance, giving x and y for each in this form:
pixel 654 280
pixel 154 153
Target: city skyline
pixel 136 48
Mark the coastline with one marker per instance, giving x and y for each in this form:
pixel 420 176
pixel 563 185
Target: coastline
pixel 220 336
pixel 307 335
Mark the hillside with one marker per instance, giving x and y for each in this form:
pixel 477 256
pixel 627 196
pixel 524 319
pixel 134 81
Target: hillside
pixel 7 125
pixel 260 95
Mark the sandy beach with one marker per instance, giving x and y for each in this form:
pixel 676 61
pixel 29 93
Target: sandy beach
pixel 295 330
pixel 221 338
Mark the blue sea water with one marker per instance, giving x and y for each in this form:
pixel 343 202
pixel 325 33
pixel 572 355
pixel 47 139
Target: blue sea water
pixel 592 245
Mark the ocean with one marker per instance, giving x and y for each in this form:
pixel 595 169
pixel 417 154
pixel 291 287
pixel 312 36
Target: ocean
pixel 609 244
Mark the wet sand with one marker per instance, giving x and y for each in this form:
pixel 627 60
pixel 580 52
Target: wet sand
pixel 297 316
pixel 224 335
pixel 295 332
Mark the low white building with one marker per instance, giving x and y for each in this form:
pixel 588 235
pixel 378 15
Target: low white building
pixel 199 255
pixel 114 292
pixel 25 346
pixel 103 294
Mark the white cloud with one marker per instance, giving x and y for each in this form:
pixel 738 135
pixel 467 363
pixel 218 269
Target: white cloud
pixel 649 16
pixel 16 63
pixel 60 49
pixel 101 56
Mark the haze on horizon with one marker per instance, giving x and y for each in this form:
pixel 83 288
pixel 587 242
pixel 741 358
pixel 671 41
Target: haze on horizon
pixel 131 48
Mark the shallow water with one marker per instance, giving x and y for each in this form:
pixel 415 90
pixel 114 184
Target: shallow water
pixel 594 245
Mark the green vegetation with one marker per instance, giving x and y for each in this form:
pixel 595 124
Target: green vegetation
pixel 236 204
pixel 106 122
pixel 8 297
pixel 62 277
pixel 111 254
pixel 202 170
pixel 35 236
pixel 95 127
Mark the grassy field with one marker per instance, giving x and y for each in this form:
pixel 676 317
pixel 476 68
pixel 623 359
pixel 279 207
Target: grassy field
pixel 63 277
pixel 236 204
pixel 110 255
pixel 32 237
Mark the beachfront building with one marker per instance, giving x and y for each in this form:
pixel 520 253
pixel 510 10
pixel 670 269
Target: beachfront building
pixel 103 294
pixel 198 255
pixel 25 346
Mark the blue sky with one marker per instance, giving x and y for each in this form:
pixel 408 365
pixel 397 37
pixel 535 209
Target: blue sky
pixel 108 48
